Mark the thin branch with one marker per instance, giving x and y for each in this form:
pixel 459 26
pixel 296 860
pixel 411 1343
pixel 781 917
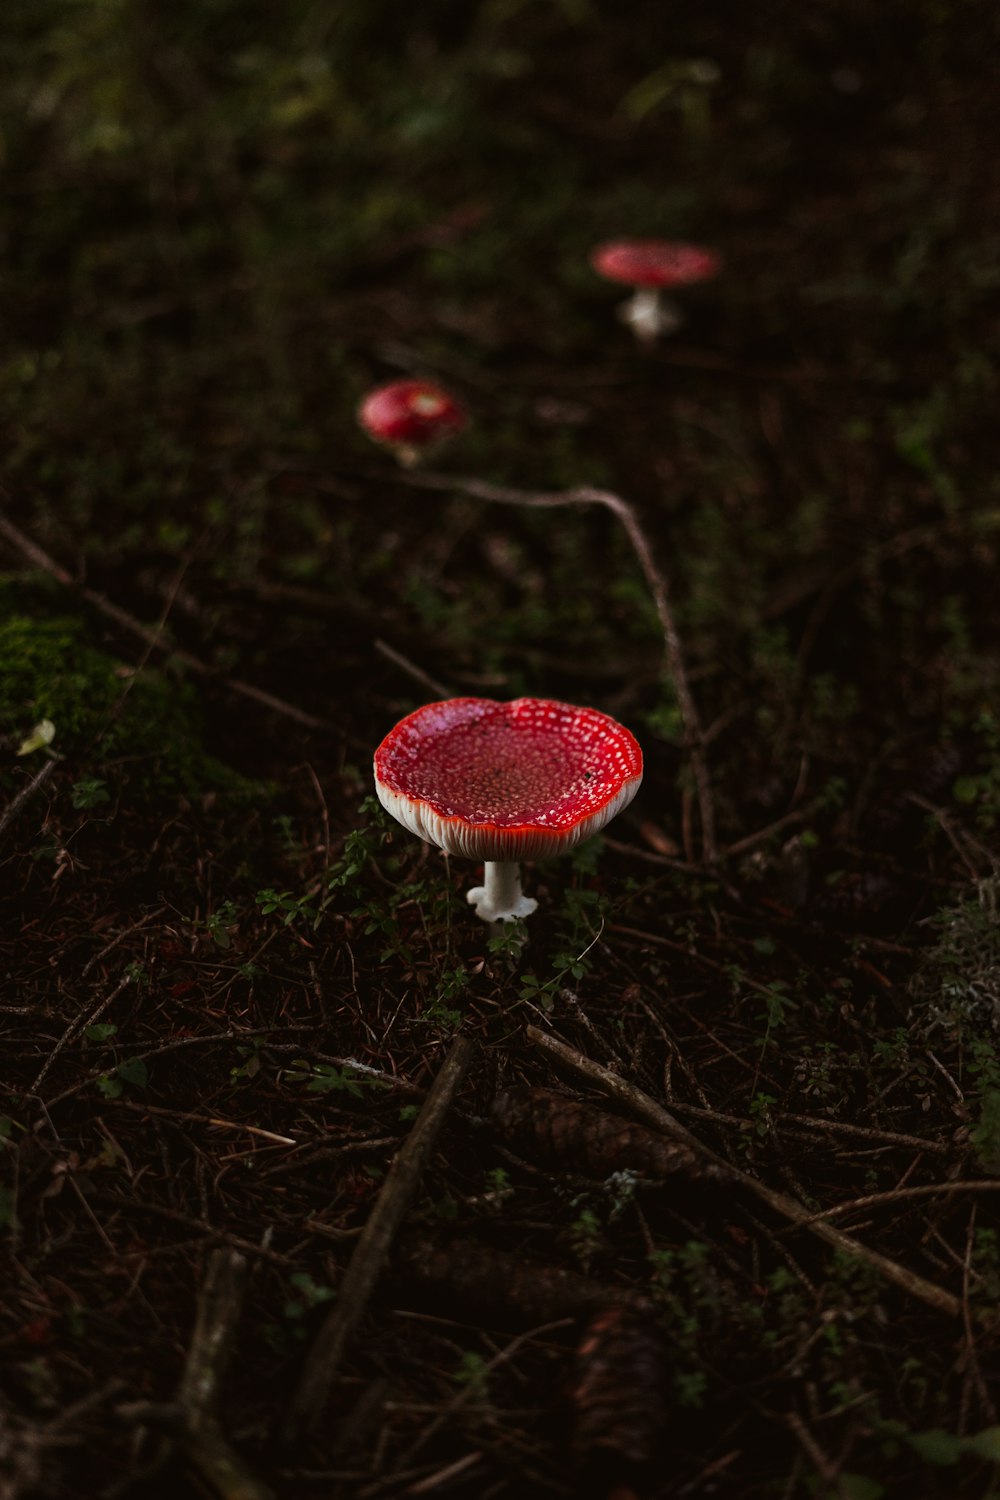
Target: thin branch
pixel 192 1421
pixel 468 1392
pixel 34 554
pixel 19 801
pixel 782 1203
pixel 825 1468
pixel 752 840
pixel 896 1195
pixel 220 1303
pixel 221 1466
pixel 973 1366
pixel 372 1249
pixel 627 517
pixel 214 1120
pixel 41 559
pixel 189 1221
pixel 411 669
pixel 120 936
pixel 86 1018
pixel 833 1127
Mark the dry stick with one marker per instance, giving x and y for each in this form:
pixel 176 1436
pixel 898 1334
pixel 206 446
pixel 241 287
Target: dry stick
pixel 86 1018
pixel 201 1436
pixel 797 815
pixel 625 514
pixel 824 1466
pixel 372 1249
pixel 896 1195
pixel 789 1208
pixel 173 1216
pixel 411 669
pixel 219 1305
pixel 16 805
pixel 24 1443
pixel 47 564
pixel 196 1119
pixel 230 1036
pixel 468 1393
pixel 833 1127
pixel 120 936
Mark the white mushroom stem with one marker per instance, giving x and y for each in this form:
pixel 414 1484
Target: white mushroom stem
pixel 649 314
pixel 500 899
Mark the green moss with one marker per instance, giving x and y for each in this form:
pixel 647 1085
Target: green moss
pixel 144 730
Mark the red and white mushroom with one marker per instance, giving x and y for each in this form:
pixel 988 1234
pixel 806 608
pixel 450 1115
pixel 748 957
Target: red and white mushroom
pixel 410 416
pixel 502 782
pixel 649 266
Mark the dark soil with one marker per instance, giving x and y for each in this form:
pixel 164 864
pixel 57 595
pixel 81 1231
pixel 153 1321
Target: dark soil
pixel 230 981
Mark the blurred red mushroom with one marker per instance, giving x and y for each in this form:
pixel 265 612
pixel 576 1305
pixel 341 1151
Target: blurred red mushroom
pixel 649 266
pixel 410 416
pixel 502 782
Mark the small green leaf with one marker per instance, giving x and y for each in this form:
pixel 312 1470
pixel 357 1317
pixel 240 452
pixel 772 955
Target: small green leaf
pixel 860 1487
pixel 111 1088
pixel 327 1079
pixel 312 1291
pixel 133 1070
pixel 936 1446
pixel 90 792
pixel 985 1444
pixel 100 1031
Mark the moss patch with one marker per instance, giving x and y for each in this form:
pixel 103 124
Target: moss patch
pixel 143 729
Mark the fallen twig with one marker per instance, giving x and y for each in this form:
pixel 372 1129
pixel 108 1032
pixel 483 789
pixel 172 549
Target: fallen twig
pixel 25 1444
pixel 21 798
pixel 214 1120
pixel 463 1397
pixel 411 669
pixel 825 1127
pixel 86 1018
pixel 782 1203
pixel 219 1305
pixel 120 936
pixel 370 1252
pixel 153 638
pixel 897 1195
pixel 191 1421
pixel 189 1221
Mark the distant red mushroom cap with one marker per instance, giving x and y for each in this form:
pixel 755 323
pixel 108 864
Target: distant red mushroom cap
pixel 410 412
pixel 654 263
pixel 506 781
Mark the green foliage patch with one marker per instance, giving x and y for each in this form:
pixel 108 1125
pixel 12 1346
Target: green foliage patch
pixel 142 728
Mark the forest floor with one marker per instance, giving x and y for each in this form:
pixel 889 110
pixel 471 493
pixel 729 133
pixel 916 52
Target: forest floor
pixel 695 1179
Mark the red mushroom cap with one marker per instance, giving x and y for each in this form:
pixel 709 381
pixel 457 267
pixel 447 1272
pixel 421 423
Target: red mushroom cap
pixel 655 263
pixel 506 781
pixel 414 412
